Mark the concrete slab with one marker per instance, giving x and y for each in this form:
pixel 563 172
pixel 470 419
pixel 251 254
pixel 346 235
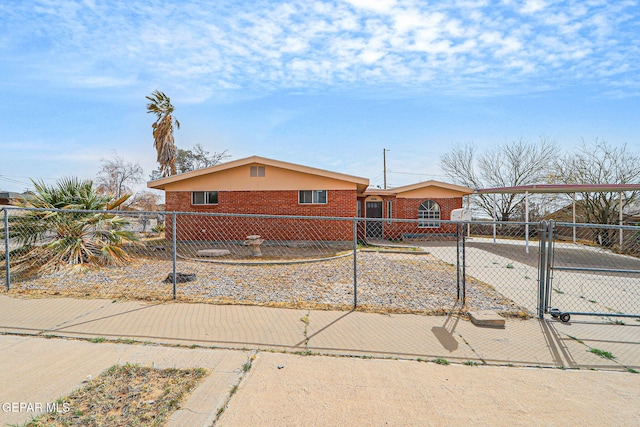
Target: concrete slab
pixel 40 370
pixel 230 326
pixel 622 341
pixel 324 391
pixel 487 318
pixel 34 314
pixel 521 342
pixel 383 335
pixel 212 252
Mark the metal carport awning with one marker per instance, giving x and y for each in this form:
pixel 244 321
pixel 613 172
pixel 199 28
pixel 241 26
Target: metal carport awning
pixel 561 189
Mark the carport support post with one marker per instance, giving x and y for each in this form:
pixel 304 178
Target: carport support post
pixel 355 264
pixel 574 217
pixel 621 232
pixel 495 217
pixel 526 218
pixel 7 256
pixel 174 251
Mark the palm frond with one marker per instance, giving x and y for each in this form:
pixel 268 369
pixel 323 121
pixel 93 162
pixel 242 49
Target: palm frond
pixel 53 241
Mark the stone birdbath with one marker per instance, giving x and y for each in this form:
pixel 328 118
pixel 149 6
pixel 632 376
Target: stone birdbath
pixel 254 242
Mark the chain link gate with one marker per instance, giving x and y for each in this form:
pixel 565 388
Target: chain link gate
pixel 597 279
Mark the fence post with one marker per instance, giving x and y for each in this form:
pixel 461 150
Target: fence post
pixel 7 256
pixel 549 266
pixel 542 269
pixel 458 261
pixel 464 265
pixel 174 251
pixel 355 263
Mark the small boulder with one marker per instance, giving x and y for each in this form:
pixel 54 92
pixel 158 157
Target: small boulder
pixel 180 278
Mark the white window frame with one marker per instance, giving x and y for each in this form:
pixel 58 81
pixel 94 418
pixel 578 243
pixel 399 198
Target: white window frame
pixel 389 210
pixel 428 212
pixel 207 196
pixel 315 196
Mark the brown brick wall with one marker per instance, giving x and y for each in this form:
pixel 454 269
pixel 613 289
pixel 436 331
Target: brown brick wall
pixel 408 209
pixel 405 208
pixel 340 203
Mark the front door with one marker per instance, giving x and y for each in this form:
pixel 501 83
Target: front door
pixel 374 228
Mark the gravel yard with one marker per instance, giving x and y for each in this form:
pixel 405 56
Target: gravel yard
pixel 387 282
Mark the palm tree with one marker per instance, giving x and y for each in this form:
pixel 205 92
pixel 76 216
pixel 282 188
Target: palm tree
pixel 160 105
pixel 52 240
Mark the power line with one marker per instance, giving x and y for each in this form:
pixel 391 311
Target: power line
pixel 418 174
pixel 14 181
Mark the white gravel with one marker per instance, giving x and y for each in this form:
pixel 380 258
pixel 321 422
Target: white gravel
pixel 386 282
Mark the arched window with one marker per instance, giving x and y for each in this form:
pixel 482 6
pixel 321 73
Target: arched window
pixel 428 213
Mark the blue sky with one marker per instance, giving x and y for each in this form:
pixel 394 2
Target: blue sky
pixel 327 84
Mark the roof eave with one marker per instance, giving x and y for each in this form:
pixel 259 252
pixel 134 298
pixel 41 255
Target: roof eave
pixel 361 183
pixel 562 188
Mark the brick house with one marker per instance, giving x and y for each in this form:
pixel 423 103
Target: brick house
pixel 257 185
pixel 429 202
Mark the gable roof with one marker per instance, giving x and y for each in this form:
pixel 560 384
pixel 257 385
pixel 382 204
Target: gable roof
pixel 361 183
pixel 420 185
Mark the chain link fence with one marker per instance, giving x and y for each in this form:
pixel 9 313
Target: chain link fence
pixel 594 270
pixel 416 266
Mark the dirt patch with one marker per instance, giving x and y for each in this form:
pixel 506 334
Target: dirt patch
pixel 125 396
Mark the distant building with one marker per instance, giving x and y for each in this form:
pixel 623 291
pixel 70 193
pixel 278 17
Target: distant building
pixel 8 198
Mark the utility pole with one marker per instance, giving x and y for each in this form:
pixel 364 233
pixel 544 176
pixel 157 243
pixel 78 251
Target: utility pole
pixel 384 165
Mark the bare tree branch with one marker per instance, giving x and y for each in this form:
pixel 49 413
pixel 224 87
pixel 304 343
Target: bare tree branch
pixel 512 164
pixel 600 164
pixel 115 176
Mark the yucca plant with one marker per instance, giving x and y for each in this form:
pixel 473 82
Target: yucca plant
pixel 52 239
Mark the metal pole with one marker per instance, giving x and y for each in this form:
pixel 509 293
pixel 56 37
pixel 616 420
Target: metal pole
pixel 384 166
pixel 469 208
pixel 526 219
pixel 174 250
pixel 464 268
pixel 458 261
pixel 621 232
pixel 495 217
pixel 542 269
pixel 549 265
pixel 574 218
pixel 355 264
pixel 7 256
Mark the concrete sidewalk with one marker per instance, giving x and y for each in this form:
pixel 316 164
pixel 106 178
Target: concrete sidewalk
pixel 37 370
pixel 531 343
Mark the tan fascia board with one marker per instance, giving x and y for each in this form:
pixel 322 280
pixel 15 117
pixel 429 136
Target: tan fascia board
pixel 378 192
pixel 361 183
pixel 398 190
pixel 433 183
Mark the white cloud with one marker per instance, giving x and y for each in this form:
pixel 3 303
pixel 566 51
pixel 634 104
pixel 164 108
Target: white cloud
pixel 105 81
pixel 531 6
pixel 379 6
pixel 205 48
